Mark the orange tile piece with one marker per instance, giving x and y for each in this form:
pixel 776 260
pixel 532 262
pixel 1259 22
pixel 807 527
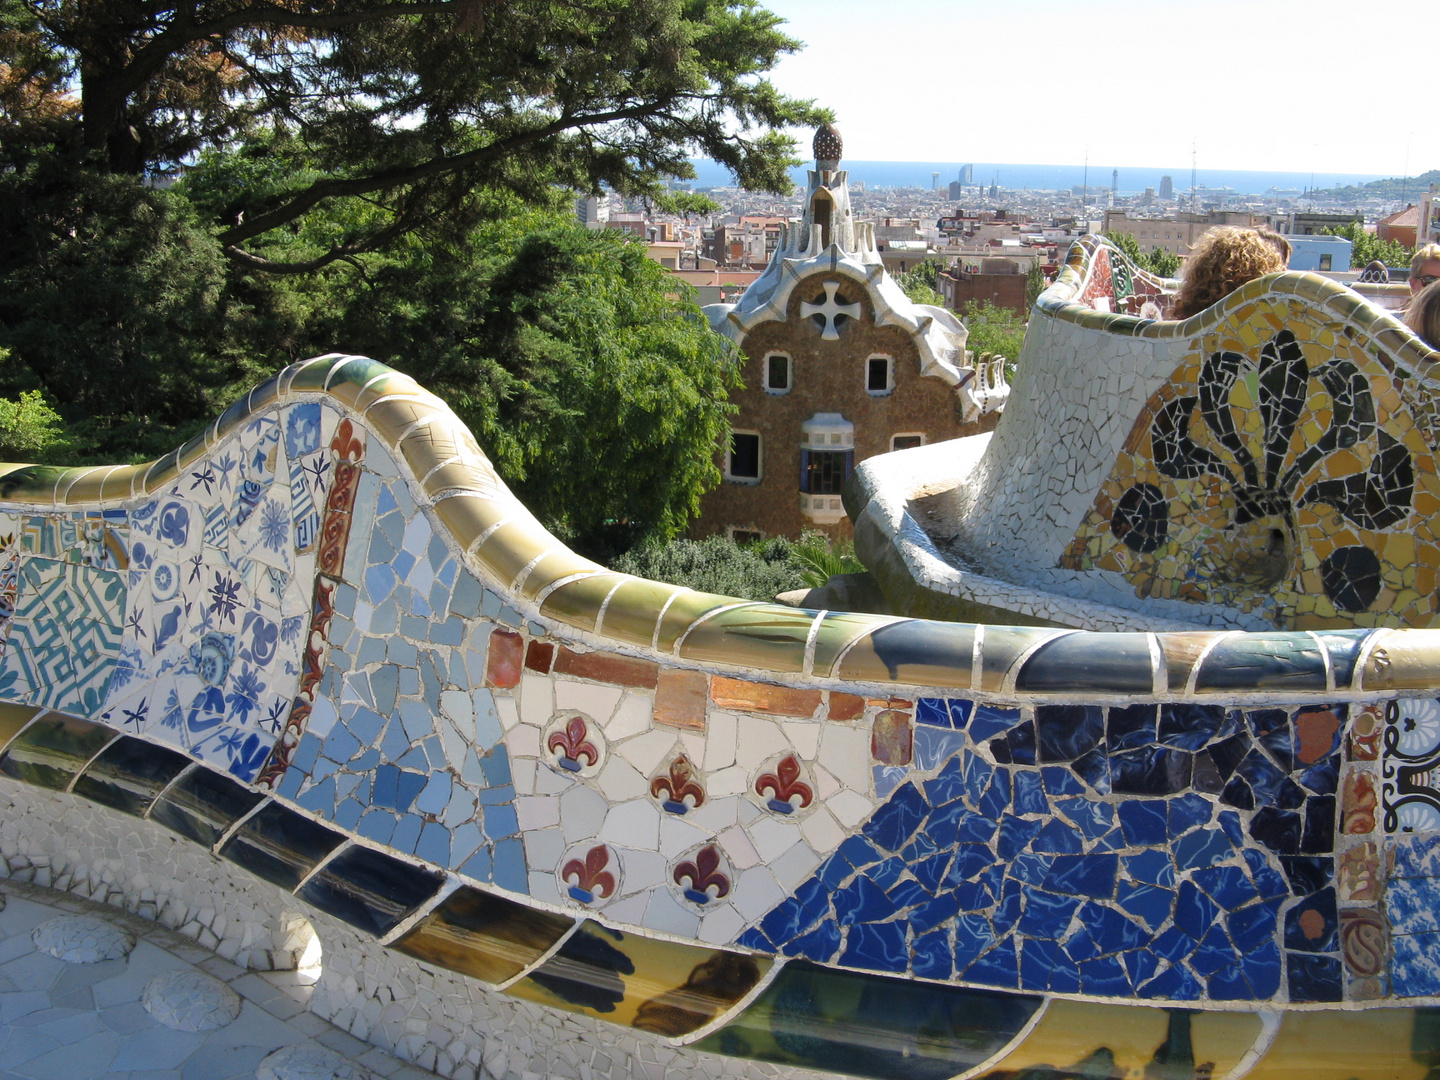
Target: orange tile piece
pixel 680 698
pixel 846 706
pixel 762 697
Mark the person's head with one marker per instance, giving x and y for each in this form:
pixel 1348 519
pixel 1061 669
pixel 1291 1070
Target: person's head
pixel 1222 260
pixel 1422 314
pixel 1424 267
pixel 1375 272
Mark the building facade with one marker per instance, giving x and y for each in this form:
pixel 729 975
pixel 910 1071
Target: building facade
pixel 839 365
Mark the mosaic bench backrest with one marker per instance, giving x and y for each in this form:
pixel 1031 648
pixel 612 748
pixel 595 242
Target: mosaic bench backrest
pixel 325 641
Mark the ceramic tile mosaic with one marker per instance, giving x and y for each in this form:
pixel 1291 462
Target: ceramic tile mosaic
pixel 642 817
pixel 1268 462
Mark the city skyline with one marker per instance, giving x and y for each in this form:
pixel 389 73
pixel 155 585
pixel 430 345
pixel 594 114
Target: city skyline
pixel 985 73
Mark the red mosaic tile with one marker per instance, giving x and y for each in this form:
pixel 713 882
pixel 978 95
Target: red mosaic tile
pixel 502 665
pixel 539 656
pixel 846 706
pixel 891 742
pixel 608 668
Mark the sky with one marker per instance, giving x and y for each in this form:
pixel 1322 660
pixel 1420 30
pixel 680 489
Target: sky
pixel 1253 84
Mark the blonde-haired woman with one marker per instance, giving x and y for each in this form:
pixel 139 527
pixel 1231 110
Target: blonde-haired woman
pixel 1422 315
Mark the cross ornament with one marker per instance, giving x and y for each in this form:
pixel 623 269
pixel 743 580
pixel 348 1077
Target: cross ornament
pixel 832 310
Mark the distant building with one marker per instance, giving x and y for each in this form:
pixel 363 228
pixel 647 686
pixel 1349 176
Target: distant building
pixel 1005 288
pixel 1311 223
pixel 1167 188
pixel 838 365
pixel 967 175
pixel 1328 254
pixel 1429 226
pixel 1176 234
pixel 593 211
pixel 1400 227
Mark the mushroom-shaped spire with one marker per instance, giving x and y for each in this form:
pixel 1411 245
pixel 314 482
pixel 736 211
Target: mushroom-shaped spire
pixel 828 145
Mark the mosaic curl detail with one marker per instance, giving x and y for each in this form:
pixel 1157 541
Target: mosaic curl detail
pixel 1285 477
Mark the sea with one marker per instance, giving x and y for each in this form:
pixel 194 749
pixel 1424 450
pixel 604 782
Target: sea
pixel 1132 180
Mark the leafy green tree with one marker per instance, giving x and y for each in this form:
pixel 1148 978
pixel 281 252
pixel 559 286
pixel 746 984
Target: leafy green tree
pixel 598 395
pixel 1366 247
pixel 993 329
pixel 405 106
pixel 1163 263
pixel 921 284
pixel 1128 244
pixel 823 558
pixel 1035 283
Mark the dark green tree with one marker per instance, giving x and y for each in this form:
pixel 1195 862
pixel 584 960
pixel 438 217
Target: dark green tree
pixel 406 105
pixel 1365 247
pixel 993 329
pixel 599 394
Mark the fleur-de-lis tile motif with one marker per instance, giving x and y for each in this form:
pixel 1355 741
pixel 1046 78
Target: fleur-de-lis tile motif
pixel 701 878
pixel 830 311
pixel 571 746
pixel 783 790
pixel 590 880
pixel 676 788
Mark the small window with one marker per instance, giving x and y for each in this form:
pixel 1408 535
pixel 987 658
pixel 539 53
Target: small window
pixel 743 461
pixel 777 374
pixel 823 472
pixel 1325 261
pixel 906 442
pixel 745 536
pixel 878 375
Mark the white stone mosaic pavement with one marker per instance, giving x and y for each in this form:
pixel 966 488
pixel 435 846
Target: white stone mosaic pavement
pixel 86 1021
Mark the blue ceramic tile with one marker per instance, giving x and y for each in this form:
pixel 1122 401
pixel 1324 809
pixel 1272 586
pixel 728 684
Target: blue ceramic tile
pixel 1084 875
pixel 1130 727
pixel 1228 886
pixel 892 825
pixel 1030 868
pixel 930 956
pixel 1104 976
pixel 1150 867
pixel 1262 969
pixel 1148 903
pixel 1253 926
pixel 1060 781
pixel 988 720
pixel 861 901
pixel 819 944
pixel 1318 835
pixel 932 711
pixel 1185 813
pixel 1213 954
pixel 1201 848
pixel 1047 915
pixel 1057 838
pixel 1175 984
pixel 877 947
pixel 1413 905
pixel 510 870
pixel 1312 924
pixel 1313 978
pixel 1278 830
pixel 888 872
pixel 934 745
pixel 1015 835
pixel 1155 770
pixel 1030 793
pixel 1414 967
pixel 936 912
pixel 1093 819
pixel 1038 959
pixel 1143 821
pixel 1195 913
pixel 1066 732
pixel 1189 727
pixel 998 967
pixel 973 935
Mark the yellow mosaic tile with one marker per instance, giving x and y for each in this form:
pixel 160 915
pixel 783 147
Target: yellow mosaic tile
pixel 553 567
pixel 510 548
pixel 1335 1045
pixel 681 614
pixel 768 637
pixel 577 603
pixel 468 517
pixel 634 610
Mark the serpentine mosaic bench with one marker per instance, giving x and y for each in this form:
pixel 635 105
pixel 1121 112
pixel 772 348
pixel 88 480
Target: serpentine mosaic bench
pixel 325 642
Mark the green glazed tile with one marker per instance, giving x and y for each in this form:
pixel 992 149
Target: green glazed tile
pixel 868 1025
pixel 162 471
pixel 312 374
pixel 662 987
pixel 634 611
pixel 577 603
pixel 1003 646
pixel 913 651
pixel 483 936
pixel 231 418
pixel 765 637
pixel 553 567
pixel 1088 663
pixel 682 613
pixel 13 717
pixel 1258 661
pixel 510 548
pixel 837 630
pixel 267 393
pixel 349 374
pixel 34 483
pixel 53 749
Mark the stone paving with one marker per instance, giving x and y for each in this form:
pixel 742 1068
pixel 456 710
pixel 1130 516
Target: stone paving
pixel 90 1021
